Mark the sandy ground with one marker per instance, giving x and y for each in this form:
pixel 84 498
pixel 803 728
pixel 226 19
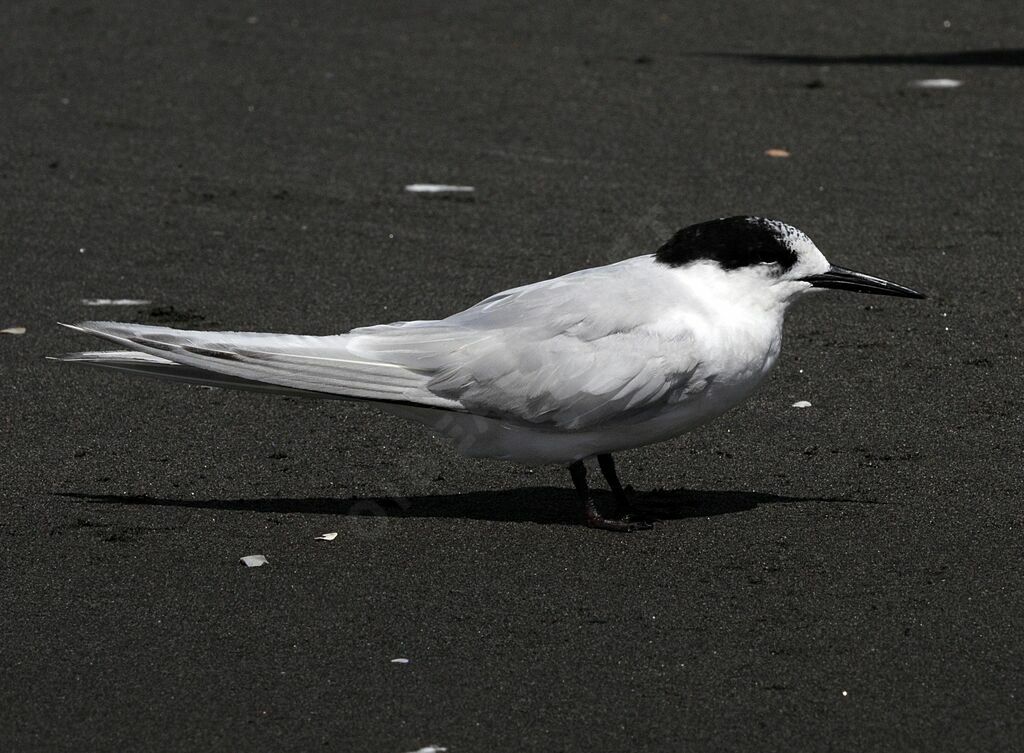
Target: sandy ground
pixel 844 577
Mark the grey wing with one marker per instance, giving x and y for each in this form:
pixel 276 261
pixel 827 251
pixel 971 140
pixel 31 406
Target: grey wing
pixel 569 353
pixel 568 383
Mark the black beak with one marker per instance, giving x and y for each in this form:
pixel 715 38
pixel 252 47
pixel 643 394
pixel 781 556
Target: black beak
pixel 847 279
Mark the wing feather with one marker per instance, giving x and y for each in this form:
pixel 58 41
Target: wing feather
pixel 314 364
pixel 568 354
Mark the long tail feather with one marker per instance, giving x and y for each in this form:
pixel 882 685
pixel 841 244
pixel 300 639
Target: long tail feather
pixel 143 364
pixel 316 366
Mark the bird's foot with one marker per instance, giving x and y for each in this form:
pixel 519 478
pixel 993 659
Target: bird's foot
pixel 628 510
pixel 628 523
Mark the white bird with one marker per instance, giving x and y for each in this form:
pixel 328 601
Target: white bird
pixel 561 371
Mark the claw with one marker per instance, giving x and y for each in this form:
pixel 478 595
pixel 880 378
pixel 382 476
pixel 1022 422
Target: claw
pixel 632 520
pixel 635 515
pixel 622 526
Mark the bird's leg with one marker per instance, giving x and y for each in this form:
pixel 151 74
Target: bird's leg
pixel 607 464
pixel 626 508
pixel 595 519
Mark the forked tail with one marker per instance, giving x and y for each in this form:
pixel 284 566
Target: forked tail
pixel 322 367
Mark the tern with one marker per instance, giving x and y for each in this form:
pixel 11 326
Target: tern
pixel 562 371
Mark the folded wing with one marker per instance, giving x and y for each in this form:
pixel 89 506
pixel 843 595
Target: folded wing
pixel 565 354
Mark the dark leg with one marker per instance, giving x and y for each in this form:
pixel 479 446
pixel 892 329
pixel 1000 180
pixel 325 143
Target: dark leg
pixel 607 464
pixel 594 518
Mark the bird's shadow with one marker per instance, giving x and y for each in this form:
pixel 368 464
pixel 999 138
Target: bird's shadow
pixel 545 505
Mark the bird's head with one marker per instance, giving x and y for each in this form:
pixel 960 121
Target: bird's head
pixel 767 256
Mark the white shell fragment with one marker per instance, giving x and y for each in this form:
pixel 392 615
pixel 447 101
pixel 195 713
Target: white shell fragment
pixel 937 83
pixel 801 404
pixel 437 188
pixel 254 560
pixel 400 661
pixel 13 331
pixel 327 536
pixel 115 302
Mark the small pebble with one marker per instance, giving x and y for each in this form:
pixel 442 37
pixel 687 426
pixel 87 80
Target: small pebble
pixel 437 188
pixel 937 83
pixel 115 302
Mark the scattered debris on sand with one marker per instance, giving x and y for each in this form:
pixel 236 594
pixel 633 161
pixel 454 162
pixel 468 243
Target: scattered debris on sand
pixel 937 83
pixel 115 302
pixel 437 188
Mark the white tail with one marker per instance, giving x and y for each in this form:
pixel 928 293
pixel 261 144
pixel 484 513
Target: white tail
pixel 291 364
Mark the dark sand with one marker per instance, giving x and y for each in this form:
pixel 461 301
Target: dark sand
pixel 847 577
